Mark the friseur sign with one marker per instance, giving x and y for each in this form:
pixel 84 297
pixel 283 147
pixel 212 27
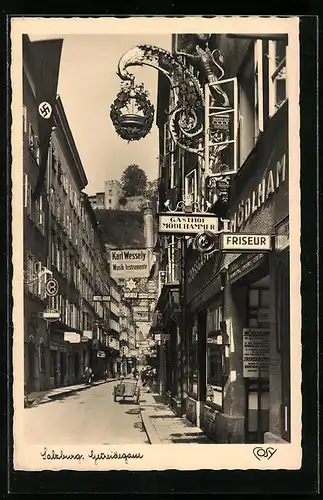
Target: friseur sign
pixel 129 263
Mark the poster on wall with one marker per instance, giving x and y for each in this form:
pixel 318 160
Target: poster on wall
pixel 255 353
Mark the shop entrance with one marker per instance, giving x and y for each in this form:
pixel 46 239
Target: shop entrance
pixel 257 388
pixel 53 367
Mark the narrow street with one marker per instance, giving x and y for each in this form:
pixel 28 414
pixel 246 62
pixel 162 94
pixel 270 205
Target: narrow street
pixel 89 416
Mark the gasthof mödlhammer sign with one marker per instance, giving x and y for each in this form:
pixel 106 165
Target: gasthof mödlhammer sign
pixel 129 263
pixel 239 242
pixel 187 224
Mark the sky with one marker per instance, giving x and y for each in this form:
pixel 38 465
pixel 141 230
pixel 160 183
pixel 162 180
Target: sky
pixel 88 85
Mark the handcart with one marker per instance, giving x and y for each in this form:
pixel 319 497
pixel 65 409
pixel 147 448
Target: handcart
pixel 127 389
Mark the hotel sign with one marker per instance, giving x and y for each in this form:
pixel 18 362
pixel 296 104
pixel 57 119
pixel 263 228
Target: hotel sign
pixel 240 242
pixel 129 263
pixel 187 224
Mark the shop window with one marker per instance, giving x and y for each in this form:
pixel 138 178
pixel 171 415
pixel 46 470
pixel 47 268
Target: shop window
pixel 193 358
pixel 215 354
pixel 277 75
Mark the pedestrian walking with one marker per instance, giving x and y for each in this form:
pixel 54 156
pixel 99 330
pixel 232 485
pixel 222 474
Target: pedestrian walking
pixel 86 375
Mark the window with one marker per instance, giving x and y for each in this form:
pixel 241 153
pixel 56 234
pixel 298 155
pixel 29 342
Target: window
pixel 110 201
pixel 27 195
pixel 258 309
pixel 251 102
pixel 215 363
pixel 24 119
pixel 39 213
pixel 173 261
pixel 193 358
pixel 190 196
pixel 277 75
pixel 33 143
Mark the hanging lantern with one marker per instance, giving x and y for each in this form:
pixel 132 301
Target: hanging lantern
pixel 132 113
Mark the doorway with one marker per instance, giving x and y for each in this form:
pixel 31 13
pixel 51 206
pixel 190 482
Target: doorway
pixel 53 367
pixel 257 387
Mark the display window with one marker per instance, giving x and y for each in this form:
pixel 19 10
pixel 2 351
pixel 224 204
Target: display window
pixel 193 358
pixel 215 356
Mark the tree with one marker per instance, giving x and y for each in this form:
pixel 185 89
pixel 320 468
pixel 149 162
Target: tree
pixel 133 181
pixel 152 189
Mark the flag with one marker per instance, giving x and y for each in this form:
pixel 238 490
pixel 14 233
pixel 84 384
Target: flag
pixel 46 56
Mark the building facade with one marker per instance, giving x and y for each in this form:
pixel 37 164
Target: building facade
pixel 97 201
pixel 112 195
pixel 62 240
pixel 219 310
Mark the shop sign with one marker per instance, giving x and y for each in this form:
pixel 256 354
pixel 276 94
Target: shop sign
pixel 72 337
pixel 88 334
pixel 51 315
pixel 100 354
pixel 187 224
pixel 240 242
pixel 266 188
pixel 130 295
pixel 84 339
pixel 241 266
pixel 141 316
pixel 255 353
pixel 101 298
pixel 129 263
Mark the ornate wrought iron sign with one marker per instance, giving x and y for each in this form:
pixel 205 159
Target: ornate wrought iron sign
pixel 132 113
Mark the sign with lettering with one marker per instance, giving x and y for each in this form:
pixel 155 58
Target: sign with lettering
pixel 51 315
pixel 129 263
pixel 140 316
pixel 239 242
pixel 187 224
pixel 243 265
pixel 266 188
pixel 101 298
pixel 255 353
pixel 100 354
